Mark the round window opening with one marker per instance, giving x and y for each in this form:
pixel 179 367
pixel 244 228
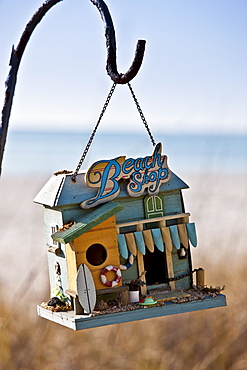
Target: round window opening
pixel 96 254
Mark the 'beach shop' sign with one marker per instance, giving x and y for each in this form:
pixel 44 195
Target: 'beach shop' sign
pixel 142 173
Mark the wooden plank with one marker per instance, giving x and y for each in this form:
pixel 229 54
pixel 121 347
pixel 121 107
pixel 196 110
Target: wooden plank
pixel 115 289
pixel 71 293
pixel 141 269
pixel 170 271
pixel 169 296
pixel 167 238
pixel 71 265
pixel 183 236
pixel 191 230
pixel 172 201
pixel 131 273
pixel 131 243
pixel 87 222
pixel 48 194
pixel 148 239
pixel 133 209
pixel 122 246
pixel 75 302
pixel 140 242
pixel 175 236
pixel 85 288
pixel 150 220
pixel 107 238
pixel 80 322
pixel 157 238
pixel 109 223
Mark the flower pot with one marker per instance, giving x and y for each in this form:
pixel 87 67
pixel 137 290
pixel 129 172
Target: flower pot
pixel 134 296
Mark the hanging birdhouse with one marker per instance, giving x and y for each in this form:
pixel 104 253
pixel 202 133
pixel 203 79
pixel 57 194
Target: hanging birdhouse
pixel 121 228
pixel 118 237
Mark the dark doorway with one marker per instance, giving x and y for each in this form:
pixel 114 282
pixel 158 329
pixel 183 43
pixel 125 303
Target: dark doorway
pixel 155 267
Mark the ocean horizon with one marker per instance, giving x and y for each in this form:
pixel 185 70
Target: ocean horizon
pixel 44 152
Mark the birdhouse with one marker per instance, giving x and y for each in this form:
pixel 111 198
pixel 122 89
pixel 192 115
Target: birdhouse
pixel 120 228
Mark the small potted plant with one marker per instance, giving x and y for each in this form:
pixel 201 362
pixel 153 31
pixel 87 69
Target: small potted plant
pixel 134 286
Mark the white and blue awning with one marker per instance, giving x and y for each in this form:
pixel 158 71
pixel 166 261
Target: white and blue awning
pixel 161 238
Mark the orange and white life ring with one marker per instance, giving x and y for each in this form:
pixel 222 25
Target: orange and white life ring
pixel 114 282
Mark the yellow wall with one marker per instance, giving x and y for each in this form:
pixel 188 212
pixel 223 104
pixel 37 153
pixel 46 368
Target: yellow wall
pixel 105 234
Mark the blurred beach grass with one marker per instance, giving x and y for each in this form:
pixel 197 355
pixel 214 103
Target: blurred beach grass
pixel 210 339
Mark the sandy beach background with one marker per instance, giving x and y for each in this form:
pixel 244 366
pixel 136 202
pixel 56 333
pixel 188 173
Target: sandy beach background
pixel 211 339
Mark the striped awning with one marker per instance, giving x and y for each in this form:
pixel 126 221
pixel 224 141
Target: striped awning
pixel 161 238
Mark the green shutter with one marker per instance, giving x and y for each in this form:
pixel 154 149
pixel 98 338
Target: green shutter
pixel 153 206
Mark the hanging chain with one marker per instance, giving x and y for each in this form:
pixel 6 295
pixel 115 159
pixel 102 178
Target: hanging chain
pixel 97 125
pixel 183 276
pixel 141 114
pixel 93 133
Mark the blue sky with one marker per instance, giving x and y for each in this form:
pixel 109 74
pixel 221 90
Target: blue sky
pixel 193 77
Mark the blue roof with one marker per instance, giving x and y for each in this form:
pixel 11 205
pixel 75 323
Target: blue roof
pixel 60 190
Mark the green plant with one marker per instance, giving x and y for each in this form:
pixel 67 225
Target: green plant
pixel 136 283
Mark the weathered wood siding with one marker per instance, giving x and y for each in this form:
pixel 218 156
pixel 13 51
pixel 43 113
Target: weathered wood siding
pixel 172 202
pixel 54 218
pixel 131 273
pixel 71 265
pixel 180 267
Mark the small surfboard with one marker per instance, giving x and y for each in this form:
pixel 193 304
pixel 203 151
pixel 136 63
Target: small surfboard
pixel 86 288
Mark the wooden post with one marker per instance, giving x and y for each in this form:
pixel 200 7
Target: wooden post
pixel 168 251
pixel 200 277
pixel 162 223
pixel 76 306
pixel 140 264
pixel 170 271
pixel 139 227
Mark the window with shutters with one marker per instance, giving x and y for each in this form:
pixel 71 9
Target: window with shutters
pixel 153 206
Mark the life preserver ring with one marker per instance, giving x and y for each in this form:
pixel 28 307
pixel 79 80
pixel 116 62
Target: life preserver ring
pixel 129 263
pixel 117 279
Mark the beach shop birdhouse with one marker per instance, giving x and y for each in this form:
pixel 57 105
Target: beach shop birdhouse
pixel 118 237
pixel 119 224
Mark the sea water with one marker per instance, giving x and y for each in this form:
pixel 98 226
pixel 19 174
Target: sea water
pixel 43 152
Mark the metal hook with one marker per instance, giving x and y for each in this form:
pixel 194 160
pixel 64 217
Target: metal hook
pixel 111 65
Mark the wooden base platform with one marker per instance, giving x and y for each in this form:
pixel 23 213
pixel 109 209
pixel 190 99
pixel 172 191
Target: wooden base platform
pixel 79 322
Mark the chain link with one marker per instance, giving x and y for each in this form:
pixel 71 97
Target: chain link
pixel 141 114
pixel 97 125
pixel 182 276
pixel 93 133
